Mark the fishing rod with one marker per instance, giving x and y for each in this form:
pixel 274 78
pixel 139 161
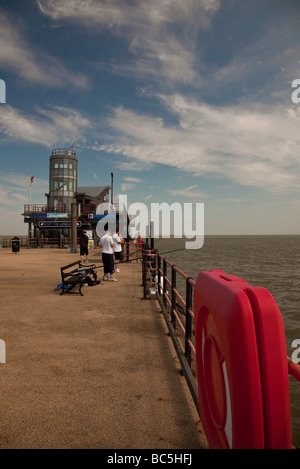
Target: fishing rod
pixel 174 250
pixel 139 258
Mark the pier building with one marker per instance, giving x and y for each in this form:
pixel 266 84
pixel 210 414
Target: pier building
pixel 51 222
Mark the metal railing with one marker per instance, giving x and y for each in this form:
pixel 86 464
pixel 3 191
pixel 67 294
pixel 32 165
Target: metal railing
pixel 63 152
pixel 176 308
pixel 41 242
pixel 163 281
pixel 6 241
pixel 43 209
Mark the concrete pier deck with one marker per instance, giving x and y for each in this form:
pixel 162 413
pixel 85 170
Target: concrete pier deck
pixel 97 371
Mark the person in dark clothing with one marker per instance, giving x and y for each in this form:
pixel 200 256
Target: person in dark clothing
pixel 84 246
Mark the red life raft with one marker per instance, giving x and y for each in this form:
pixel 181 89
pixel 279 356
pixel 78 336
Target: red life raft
pixel 242 371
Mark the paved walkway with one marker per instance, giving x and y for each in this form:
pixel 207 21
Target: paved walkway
pixel 97 371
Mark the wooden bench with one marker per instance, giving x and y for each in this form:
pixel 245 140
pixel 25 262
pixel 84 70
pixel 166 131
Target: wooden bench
pixel 74 275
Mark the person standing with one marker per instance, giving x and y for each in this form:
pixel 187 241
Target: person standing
pixel 117 240
pixel 84 246
pixel 107 245
pixel 140 242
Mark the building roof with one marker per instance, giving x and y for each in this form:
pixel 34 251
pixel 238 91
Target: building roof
pixel 93 192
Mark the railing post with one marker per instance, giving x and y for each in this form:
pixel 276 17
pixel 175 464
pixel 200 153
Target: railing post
pixel 152 236
pixel 164 283
pixel 173 296
pixel 188 321
pixel 158 273
pixel 154 273
pixel 144 275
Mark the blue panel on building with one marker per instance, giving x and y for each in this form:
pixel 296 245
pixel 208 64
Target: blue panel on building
pixel 57 224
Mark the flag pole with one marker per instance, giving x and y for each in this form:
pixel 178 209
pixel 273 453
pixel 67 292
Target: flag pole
pixel 31 180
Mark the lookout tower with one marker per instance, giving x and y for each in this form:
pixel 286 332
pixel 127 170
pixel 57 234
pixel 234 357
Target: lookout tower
pixel 67 204
pixel 62 180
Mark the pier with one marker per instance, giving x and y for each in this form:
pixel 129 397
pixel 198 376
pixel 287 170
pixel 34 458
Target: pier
pixel 96 371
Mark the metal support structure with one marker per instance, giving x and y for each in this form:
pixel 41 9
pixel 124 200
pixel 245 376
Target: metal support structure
pixel 144 275
pixel 127 249
pixel 188 320
pixel 152 235
pixel 29 234
pixel 158 273
pixel 173 297
pixel 164 283
pixel 73 228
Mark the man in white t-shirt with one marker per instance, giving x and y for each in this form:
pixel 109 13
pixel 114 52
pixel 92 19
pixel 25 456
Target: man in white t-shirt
pixel 107 245
pixel 117 240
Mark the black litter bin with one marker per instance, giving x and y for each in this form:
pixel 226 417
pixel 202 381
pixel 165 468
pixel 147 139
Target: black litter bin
pixel 15 245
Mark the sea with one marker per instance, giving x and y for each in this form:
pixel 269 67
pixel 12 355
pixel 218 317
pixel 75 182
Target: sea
pixel 272 262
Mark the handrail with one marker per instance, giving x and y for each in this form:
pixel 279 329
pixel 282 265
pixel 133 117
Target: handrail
pixel 178 312
pixel 63 152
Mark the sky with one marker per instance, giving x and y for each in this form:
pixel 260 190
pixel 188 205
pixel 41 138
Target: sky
pixel 184 101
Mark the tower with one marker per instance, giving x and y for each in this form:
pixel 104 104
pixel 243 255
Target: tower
pixel 62 179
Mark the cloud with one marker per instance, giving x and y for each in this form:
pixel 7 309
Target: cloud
pixel 263 68
pixel 14 190
pixel 130 183
pixel 49 125
pixel 116 13
pixel 30 64
pixel 14 194
pixel 125 164
pixel 253 145
pixel 131 179
pixel 160 34
pixel 127 186
pixel 134 165
pixel 188 192
pixel 21 181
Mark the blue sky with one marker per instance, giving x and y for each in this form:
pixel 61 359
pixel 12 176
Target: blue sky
pixel 184 101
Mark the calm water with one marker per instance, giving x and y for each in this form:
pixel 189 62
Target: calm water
pixel 272 262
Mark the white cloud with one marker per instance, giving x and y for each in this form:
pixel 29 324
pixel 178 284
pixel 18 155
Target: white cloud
pixel 124 164
pixel 268 67
pixel 127 186
pixel 30 64
pixel 46 127
pixel 134 165
pixel 131 179
pixel 14 194
pixel 21 182
pixel 256 146
pixel 116 13
pixel 188 192
pixel 160 33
